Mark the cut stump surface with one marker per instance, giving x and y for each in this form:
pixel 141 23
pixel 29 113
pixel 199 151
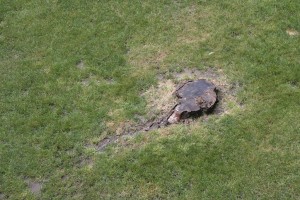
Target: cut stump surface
pixel 194 96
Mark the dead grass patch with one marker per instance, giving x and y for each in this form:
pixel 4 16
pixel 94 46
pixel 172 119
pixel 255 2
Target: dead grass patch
pixel 292 32
pixel 34 186
pixel 160 100
pixel 80 65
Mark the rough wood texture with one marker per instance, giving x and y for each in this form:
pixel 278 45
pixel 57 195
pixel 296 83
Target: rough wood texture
pixel 194 96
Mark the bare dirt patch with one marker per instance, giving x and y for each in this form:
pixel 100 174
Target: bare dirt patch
pixel 80 64
pixel 2 196
pixel 34 186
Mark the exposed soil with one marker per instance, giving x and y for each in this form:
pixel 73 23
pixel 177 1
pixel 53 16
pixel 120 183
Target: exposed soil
pixel 80 64
pixel 161 103
pixel 110 81
pixel 34 187
pixel 85 162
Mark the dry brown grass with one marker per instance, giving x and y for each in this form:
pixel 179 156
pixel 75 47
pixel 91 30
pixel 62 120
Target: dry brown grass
pixel 292 32
pixel 160 99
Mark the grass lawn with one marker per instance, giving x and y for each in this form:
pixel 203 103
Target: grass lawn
pixel 72 71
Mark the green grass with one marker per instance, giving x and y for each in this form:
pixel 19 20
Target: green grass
pixel 67 68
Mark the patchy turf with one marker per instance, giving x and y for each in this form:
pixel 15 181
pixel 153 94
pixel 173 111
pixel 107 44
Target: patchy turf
pixel 160 100
pixel 72 72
